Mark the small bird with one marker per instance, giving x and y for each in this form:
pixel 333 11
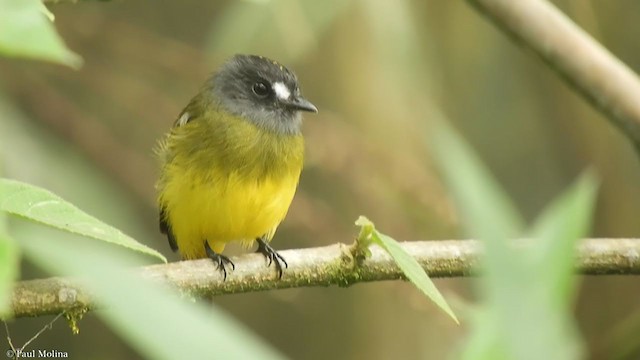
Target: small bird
pixel 231 163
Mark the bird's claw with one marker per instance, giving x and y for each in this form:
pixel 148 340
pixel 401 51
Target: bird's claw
pixel 271 255
pixel 219 259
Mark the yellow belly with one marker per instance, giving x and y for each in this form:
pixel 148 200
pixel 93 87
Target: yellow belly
pixel 225 179
pixel 226 208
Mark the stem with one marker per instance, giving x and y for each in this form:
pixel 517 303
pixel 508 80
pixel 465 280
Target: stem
pixel 603 80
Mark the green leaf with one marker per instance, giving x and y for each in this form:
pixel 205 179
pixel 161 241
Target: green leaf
pixel 525 290
pixel 486 209
pixel 549 263
pixel 557 229
pixel 484 342
pixel 409 266
pixel 25 31
pixel 9 266
pixel 487 212
pixel 39 205
pixel 155 320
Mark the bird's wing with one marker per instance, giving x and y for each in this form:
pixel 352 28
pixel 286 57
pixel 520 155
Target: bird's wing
pixel 165 228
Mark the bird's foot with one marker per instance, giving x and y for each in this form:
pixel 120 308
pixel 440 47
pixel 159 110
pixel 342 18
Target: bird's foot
pixel 273 257
pixel 219 259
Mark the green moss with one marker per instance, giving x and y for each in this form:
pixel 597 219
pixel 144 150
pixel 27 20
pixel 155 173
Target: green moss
pixel 74 316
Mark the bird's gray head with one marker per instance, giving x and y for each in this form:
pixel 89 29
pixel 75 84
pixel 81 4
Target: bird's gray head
pixel 261 91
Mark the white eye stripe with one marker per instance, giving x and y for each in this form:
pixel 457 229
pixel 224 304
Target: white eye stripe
pixel 281 90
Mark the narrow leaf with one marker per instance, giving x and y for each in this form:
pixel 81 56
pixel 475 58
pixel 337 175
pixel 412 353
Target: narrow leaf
pixel 556 231
pixel 515 287
pixel 39 205
pixel 409 266
pixel 487 211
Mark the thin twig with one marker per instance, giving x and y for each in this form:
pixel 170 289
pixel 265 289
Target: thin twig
pixel 15 352
pixel 321 266
pixel 46 327
pixel 581 61
pixel 6 329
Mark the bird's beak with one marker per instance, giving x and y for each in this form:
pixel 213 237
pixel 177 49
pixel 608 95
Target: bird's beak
pixel 300 104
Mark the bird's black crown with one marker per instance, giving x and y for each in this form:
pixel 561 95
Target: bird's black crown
pixel 262 91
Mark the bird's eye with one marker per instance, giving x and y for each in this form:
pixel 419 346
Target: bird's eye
pixel 261 89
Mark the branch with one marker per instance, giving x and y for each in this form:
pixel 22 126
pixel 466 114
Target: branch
pixel 54 2
pixel 586 65
pixel 321 266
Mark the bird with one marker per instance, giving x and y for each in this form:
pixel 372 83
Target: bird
pixel 231 163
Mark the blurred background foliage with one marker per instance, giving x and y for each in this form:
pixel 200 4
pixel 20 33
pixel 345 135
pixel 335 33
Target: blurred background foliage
pixel 378 71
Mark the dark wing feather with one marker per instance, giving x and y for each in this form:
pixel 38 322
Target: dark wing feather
pixel 165 228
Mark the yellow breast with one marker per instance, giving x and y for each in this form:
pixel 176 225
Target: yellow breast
pixel 233 182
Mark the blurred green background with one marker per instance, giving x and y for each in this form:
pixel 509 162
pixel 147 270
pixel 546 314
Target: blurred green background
pixel 378 71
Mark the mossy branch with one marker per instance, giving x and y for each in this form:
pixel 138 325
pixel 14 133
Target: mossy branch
pixel 67 1
pixel 581 61
pixel 321 266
